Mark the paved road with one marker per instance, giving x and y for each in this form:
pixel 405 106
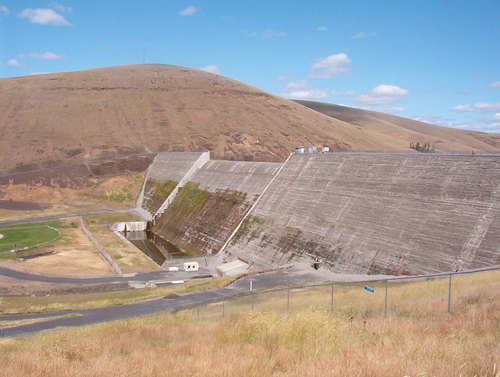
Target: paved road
pixel 90 316
pixel 142 277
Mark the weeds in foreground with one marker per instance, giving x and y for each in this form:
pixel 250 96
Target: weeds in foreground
pixel 311 343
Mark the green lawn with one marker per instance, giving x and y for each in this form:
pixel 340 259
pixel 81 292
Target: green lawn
pixel 26 235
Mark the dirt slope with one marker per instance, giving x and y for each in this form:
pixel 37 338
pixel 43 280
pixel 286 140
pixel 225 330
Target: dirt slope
pixel 143 108
pixel 405 130
pixel 103 113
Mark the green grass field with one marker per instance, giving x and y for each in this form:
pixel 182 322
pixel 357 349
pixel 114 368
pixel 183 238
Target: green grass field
pixel 26 235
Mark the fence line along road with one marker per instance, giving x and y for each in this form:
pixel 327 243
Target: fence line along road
pixel 446 294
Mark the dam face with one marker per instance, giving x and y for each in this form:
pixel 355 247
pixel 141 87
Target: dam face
pixel 211 202
pixel 392 213
pixel 378 213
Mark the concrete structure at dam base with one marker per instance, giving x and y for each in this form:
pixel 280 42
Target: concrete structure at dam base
pixel 360 213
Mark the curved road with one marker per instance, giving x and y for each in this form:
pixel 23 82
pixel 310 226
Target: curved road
pixel 145 276
pixel 90 316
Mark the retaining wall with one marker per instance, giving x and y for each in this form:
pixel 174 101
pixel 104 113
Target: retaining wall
pixel 131 226
pixel 378 213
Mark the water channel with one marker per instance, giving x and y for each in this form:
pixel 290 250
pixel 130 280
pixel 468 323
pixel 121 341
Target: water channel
pixel 154 246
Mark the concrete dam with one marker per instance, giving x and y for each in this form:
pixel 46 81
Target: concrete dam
pixel 391 213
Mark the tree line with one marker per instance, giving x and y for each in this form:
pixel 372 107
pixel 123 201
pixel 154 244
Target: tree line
pixel 424 148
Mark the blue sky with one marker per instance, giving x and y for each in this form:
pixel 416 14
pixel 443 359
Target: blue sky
pixel 431 60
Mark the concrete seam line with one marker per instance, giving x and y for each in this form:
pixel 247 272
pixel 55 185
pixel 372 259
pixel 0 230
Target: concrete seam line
pixel 100 248
pixel 200 161
pixel 253 206
pixel 140 199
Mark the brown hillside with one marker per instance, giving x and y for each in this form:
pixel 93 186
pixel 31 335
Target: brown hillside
pixel 76 117
pixel 405 130
pixel 108 112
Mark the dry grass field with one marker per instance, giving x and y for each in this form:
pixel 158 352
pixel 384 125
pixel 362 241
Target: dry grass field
pixel 117 192
pixel 73 255
pixel 310 342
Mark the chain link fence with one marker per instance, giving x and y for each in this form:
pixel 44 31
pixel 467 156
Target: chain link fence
pixel 409 296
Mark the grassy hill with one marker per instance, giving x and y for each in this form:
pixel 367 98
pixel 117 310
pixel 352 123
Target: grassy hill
pixel 104 113
pixel 404 130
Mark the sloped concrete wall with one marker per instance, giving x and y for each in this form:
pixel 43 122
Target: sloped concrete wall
pixel 221 193
pixel 244 176
pixel 378 213
pixel 171 166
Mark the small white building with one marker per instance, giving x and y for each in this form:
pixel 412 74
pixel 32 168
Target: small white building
pixel 191 266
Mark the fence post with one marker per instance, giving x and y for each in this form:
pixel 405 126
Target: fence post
pixel 386 296
pixel 331 302
pixel 288 302
pixel 449 295
pixel 253 300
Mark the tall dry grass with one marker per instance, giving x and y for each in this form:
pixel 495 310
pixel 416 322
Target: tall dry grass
pixel 310 343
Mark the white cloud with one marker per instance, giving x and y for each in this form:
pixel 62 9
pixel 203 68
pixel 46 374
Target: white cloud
pixel 463 108
pixel 250 34
pixel 46 55
pixel 481 107
pixel 211 69
pixel 266 34
pixel 348 93
pixel 391 110
pixel 309 94
pixel 495 84
pixel 321 28
pixel 60 8
pixel 331 65
pixel 284 77
pixel 295 85
pixel 189 11
pixel 14 63
pixel 490 124
pixel 302 90
pixel 494 117
pixel 487 107
pixel 37 73
pixel 270 33
pixel 362 35
pixel 4 10
pixel 44 17
pixel 382 95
